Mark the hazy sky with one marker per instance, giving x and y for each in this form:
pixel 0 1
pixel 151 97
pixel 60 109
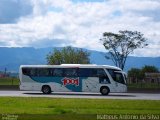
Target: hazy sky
pixel 79 23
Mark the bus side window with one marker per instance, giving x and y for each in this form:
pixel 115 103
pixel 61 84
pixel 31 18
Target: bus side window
pixel 33 72
pixel 103 78
pixel 43 72
pixel 51 71
pixel 70 72
pixel 101 73
pixel 25 71
pixel 89 72
pixel 29 71
pixel 85 72
pixel 112 73
pixel 57 72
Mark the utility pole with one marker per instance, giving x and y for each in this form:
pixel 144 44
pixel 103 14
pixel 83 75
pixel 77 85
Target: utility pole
pixel 5 72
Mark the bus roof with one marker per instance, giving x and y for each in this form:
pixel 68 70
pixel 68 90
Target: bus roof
pixel 72 65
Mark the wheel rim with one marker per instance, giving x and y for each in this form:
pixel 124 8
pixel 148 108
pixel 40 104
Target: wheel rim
pixel 104 91
pixel 46 89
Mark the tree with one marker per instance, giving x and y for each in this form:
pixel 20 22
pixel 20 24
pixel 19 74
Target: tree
pixel 68 55
pixel 122 44
pixel 149 69
pixel 135 74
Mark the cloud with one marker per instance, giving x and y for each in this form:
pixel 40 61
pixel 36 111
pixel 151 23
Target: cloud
pixel 2 43
pixel 79 23
pixel 48 43
pixel 12 10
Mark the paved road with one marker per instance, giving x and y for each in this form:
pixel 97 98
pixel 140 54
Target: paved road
pixel 139 96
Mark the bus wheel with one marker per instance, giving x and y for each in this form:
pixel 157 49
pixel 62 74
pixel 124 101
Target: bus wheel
pixel 46 89
pixel 104 90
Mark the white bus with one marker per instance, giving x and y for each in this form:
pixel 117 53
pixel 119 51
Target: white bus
pixel 72 78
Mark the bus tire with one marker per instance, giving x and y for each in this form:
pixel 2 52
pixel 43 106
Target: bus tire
pixel 46 89
pixel 104 90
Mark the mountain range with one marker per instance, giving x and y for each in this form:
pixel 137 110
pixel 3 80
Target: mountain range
pixel 12 57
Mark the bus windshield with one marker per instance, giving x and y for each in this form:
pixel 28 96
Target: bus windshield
pixel 117 76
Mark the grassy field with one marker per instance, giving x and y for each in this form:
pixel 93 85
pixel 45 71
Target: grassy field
pixel 43 107
pixel 9 81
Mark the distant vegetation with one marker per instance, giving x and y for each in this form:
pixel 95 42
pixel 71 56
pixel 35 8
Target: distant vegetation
pixel 139 74
pixel 68 55
pixel 148 78
pixel 12 58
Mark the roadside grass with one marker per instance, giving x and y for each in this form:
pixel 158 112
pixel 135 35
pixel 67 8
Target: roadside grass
pixel 144 85
pixel 30 105
pixel 9 81
pixel 31 108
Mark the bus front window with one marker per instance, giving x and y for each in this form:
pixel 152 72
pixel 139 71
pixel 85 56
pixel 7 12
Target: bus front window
pixel 117 76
